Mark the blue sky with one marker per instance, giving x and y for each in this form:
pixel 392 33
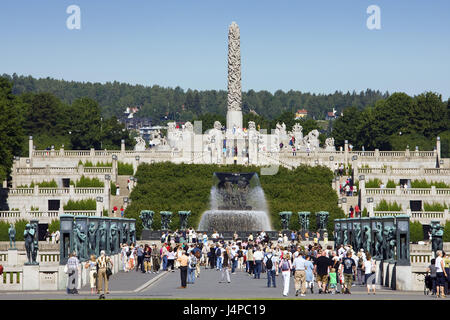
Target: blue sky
pixel 317 46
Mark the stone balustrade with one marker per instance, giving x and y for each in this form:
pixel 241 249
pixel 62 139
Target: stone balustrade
pixel 407 192
pixel 42 216
pixel 424 217
pixel 53 191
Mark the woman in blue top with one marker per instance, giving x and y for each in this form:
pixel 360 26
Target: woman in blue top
pixel 309 267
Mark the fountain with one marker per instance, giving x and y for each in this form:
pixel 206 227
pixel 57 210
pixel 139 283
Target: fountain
pixel 237 204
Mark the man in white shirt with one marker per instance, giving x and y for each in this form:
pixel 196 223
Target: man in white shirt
pixel 258 257
pixel 300 274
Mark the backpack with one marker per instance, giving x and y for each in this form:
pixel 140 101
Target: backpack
pixel 218 252
pixel 269 263
pixel 285 265
pixel 193 263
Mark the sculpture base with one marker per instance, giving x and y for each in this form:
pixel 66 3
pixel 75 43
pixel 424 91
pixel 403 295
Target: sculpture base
pixel 30 277
pixel 13 257
pixel 234 119
pixel 151 234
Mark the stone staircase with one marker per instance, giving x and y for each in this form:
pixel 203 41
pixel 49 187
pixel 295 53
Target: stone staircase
pixel 118 200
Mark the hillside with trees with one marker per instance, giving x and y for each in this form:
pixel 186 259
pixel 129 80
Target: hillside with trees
pixel 179 104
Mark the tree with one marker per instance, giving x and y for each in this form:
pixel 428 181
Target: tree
pixel 85 129
pixel 344 127
pixel 11 132
pixel 428 115
pixel 415 232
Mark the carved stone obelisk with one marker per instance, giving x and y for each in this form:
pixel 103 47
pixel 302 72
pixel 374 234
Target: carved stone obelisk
pixel 234 113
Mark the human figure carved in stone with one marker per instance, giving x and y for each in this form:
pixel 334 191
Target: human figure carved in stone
pixel 188 127
pixel 251 125
pixel 114 237
pixel 140 144
pixel 234 98
pixel 217 125
pixel 28 235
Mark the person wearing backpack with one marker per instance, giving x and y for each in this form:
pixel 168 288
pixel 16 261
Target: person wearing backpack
pixel 286 266
pixel 219 256
pixel 192 266
pixel 270 262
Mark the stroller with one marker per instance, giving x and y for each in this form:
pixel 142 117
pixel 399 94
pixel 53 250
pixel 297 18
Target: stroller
pixel 428 285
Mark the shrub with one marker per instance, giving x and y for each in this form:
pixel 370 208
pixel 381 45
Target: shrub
pixel 84 182
pixel 20 228
pixel 383 205
pixel 435 206
pixel 373 183
pixel 4 226
pixel 45 184
pixel 446 237
pixel 113 188
pixel 415 231
pixel 365 213
pixel 124 169
pixel 54 226
pixel 391 184
pixel 87 204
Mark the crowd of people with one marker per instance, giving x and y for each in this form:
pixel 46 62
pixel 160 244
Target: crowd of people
pixel 312 267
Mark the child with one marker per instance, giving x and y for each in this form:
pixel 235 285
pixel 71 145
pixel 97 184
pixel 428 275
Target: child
pixel 333 281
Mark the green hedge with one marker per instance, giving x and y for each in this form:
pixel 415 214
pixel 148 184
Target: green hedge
pixel 53 226
pixel 89 164
pixel 373 183
pixel 383 205
pixel 391 184
pixel 424 184
pixel 19 225
pixel 113 188
pixel 415 231
pixel 124 169
pixel 172 187
pixel 88 204
pixel 446 237
pixel 435 206
pixel 84 182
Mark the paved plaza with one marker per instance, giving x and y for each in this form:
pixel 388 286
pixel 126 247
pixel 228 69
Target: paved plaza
pixel 136 285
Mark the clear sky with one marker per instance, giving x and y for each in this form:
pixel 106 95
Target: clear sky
pixel 318 46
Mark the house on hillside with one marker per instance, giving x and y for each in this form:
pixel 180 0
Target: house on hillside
pixel 300 114
pixel 331 115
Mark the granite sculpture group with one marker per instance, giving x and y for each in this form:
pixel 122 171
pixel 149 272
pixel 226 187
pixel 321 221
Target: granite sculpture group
pixel 146 217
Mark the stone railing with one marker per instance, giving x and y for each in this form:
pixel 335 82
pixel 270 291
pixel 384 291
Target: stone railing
pixel 409 191
pixel 53 191
pixel 42 216
pixel 387 213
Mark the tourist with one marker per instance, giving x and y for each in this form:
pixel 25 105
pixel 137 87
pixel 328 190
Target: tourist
pixel 432 270
pixel 348 268
pixel 333 280
pixel 212 257
pixel 441 275
pixel 250 260
pixel 117 190
pixel 286 266
pixel 447 271
pixel 57 236
pixel 164 252
pixel 309 273
pixel 53 237
pixel 104 265
pixel 197 252
pixel 351 210
pixel 240 258
pixel 146 259
pixel 192 266
pixel 218 254
pixel 355 190
pixel 270 262
pixel 258 257
pixel 92 266
pixel 122 211
pixel 322 265
pixel 277 254
pixel 357 211
pixel 72 272
pixel 171 259
pixel 300 274
pixel 156 256
pixel 140 258
pixel 369 268
pixel 225 265
pixel 131 257
pixel 360 259
pixel 47 236
pixel 183 261
pixel 124 255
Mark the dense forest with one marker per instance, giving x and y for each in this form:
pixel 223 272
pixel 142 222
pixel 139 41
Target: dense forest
pixel 177 104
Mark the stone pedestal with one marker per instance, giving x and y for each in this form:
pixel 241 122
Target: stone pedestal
pixel 379 275
pixel 31 277
pixel 62 278
pixel 386 275
pixel 13 257
pixel 234 119
pixel 391 282
pixel 404 278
